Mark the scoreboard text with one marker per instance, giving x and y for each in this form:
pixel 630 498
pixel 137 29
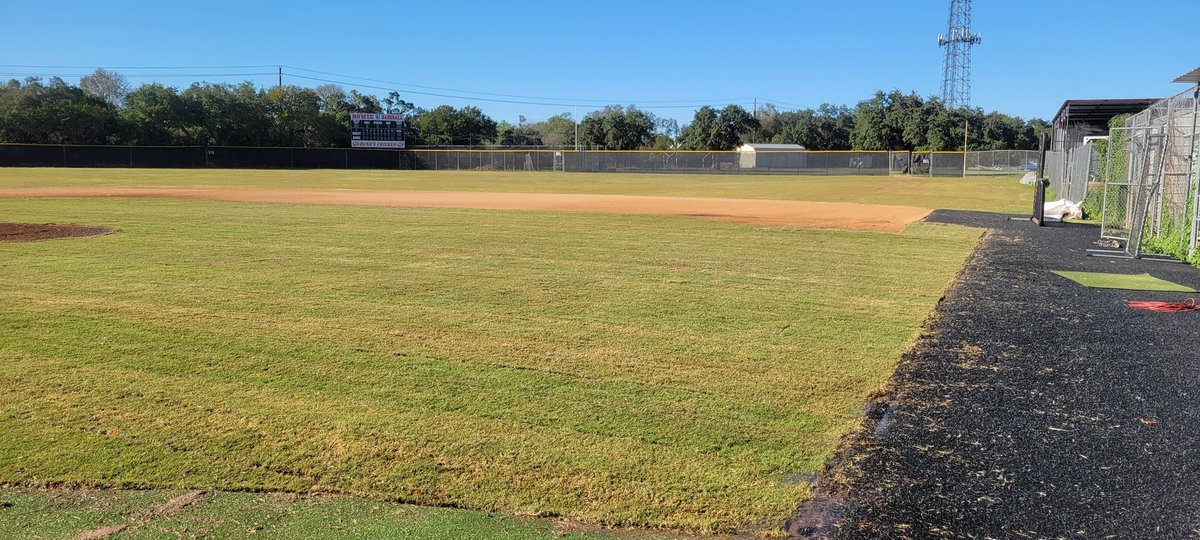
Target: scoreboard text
pixel 376 130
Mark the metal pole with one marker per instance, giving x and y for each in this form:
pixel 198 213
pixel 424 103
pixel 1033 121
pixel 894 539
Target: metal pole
pixel 1194 177
pixel 1039 190
pixel 966 128
pixel 575 117
pixel 1108 152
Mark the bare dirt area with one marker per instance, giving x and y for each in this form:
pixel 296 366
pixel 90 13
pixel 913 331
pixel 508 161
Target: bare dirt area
pixel 871 217
pixel 29 232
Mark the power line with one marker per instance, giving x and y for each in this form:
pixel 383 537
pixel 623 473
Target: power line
pixel 563 103
pixel 518 96
pixel 404 88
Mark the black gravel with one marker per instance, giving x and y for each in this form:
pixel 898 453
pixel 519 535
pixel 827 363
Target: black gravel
pixel 1033 407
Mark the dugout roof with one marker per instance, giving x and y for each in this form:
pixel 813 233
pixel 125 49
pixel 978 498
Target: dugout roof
pixel 1078 118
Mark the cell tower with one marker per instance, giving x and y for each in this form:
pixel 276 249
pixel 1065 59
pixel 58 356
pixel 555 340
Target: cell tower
pixel 956 68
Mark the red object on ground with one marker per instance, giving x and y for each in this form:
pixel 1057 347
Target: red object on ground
pixel 1166 307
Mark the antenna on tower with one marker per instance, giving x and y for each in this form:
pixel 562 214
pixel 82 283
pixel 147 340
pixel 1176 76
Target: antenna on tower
pixel 956 68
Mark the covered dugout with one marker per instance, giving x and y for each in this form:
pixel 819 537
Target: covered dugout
pixel 771 156
pixel 1081 118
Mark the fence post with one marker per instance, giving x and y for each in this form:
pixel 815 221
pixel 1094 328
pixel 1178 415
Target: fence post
pixel 131 157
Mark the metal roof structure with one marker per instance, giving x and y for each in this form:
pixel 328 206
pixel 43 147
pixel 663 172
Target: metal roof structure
pixel 1091 110
pixel 1079 118
pixel 1192 76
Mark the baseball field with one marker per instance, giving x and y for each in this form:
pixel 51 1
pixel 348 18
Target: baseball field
pixel 677 352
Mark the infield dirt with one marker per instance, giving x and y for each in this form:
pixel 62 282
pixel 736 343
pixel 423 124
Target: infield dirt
pixel 825 215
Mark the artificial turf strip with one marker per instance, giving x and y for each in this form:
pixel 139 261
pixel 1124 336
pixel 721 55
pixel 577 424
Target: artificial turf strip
pixel 623 370
pixel 994 194
pixel 1130 282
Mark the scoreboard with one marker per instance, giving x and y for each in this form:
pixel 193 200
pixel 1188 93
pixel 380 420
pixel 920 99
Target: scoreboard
pixel 376 130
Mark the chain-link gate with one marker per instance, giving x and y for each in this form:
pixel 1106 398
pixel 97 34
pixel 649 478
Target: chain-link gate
pixel 1151 179
pixel 1131 182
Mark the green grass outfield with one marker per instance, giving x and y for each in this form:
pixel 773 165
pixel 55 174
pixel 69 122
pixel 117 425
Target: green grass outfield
pixel 614 369
pixel 61 513
pixel 994 194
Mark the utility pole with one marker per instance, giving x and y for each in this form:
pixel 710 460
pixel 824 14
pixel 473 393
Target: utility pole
pixel 280 76
pixel 576 118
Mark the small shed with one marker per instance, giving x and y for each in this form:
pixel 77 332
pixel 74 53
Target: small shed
pixel 771 156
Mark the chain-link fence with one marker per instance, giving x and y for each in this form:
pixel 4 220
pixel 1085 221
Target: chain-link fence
pixel 1056 168
pixel 1150 179
pixel 1001 162
pixel 1074 171
pixel 229 157
pixel 646 161
pixel 846 163
pixel 733 162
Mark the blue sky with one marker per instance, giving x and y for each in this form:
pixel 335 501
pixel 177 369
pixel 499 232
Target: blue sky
pixel 667 57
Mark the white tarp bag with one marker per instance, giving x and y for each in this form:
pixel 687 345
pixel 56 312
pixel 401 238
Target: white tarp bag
pixel 1030 178
pixel 1062 209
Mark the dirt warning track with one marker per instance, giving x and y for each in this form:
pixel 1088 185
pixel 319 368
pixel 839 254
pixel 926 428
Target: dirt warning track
pixel 871 217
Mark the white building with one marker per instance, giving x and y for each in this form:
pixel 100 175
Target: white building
pixel 771 156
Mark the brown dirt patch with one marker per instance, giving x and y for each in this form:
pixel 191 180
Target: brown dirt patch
pixel 871 217
pixel 173 506
pixel 100 534
pixel 29 232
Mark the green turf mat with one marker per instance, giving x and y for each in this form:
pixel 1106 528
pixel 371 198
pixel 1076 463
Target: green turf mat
pixel 1133 282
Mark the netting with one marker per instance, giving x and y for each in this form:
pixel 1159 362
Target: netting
pixel 946 164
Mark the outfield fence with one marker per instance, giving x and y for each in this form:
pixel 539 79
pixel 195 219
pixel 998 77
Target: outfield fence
pixel 808 162
pixel 654 161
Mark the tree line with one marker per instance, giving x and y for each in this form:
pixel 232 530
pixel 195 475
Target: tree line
pixel 104 109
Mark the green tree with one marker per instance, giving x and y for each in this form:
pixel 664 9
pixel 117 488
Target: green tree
pixel 703 133
pixel 155 114
pixel 231 115
pixel 558 130
pixel 617 128
pixel 296 113
pixel 446 125
pixel 712 130
pixel 56 113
